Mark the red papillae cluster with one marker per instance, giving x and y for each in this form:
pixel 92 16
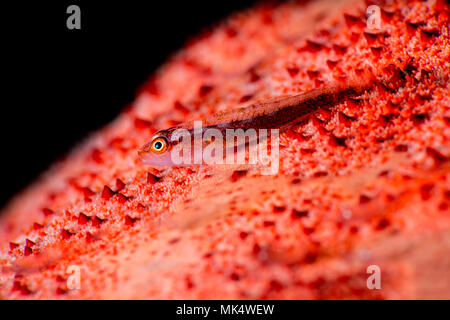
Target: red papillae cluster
pixel 366 182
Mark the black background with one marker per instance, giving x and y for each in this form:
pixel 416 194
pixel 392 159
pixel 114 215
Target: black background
pixel 60 84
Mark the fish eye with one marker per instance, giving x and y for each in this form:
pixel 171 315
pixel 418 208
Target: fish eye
pixel 159 145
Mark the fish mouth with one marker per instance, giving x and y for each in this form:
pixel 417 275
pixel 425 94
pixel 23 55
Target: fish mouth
pixel 144 156
pixel 141 153
pixel 160 160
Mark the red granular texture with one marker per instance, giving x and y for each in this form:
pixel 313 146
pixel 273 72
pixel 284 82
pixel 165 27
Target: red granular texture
pixel 366 182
